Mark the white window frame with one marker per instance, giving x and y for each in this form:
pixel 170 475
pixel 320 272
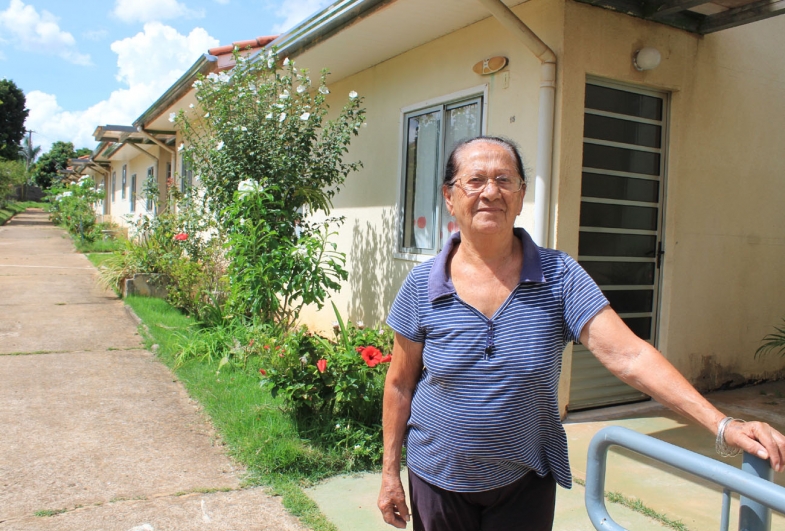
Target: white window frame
pixel 479 91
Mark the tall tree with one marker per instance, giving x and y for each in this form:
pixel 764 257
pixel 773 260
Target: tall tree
pixel 12 119
pixel 50 163
pixel 28 152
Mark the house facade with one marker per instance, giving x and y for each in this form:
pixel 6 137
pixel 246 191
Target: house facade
pixel 663 178
pixel 663 183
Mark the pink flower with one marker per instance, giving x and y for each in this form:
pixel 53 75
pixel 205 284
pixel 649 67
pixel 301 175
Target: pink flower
pixel 321 365
pixel 372 356
pixel 181 237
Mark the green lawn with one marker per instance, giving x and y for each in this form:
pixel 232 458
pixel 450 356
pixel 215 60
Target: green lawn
pixel 257 432
pixel 14 207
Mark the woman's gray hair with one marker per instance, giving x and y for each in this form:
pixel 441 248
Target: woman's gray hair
pixel 451 168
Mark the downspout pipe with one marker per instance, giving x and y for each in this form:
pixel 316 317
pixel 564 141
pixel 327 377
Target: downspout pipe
pixel 546 116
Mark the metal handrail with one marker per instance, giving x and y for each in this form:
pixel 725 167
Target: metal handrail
pixel 759 494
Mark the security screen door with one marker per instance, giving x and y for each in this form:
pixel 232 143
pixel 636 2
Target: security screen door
pixel 620 222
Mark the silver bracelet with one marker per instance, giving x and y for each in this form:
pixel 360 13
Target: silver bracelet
pixel 720 444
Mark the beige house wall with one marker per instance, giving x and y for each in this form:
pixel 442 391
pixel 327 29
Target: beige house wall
pixel 724 226
pixel 440 68
pixel 138 163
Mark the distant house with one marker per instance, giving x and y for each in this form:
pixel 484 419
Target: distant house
pixel 653 136
pixel 133 160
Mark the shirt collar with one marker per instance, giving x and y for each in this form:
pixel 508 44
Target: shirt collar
pixel 440 283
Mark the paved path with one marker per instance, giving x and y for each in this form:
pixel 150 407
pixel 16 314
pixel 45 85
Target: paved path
pixel 92 423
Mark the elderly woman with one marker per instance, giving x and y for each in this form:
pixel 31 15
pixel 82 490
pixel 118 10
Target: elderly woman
pixel 479 333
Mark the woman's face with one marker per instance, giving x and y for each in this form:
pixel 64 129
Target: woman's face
pixel 491 210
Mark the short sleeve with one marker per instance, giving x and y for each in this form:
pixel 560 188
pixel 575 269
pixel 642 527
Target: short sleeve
pixel 404 315
pixel 582 298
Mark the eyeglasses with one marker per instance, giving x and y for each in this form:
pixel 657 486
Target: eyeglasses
pixel 474 184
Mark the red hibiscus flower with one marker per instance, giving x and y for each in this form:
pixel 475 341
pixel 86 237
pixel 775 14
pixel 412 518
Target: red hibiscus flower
pixel 181 237
pixel 267 347
pixel 321 365
pixel 263 372
pixel 386 359
pixel 372 356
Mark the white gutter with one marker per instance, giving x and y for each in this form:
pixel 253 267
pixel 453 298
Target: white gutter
pixel 544 167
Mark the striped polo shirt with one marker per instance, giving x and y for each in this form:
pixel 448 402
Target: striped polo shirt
pixel 485 410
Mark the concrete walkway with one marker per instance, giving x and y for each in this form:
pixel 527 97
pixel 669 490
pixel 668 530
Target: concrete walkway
pixel 91 423
pixel 350 501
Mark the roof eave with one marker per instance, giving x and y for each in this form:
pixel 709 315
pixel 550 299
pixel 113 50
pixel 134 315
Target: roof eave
pixel 323 25
pixel 204 65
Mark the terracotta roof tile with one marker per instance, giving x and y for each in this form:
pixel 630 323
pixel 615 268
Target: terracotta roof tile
pixel 258 42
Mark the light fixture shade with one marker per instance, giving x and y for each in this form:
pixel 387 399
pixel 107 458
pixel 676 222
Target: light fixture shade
pixel 647 59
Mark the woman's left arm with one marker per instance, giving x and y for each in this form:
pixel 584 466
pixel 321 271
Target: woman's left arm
pixel 640 365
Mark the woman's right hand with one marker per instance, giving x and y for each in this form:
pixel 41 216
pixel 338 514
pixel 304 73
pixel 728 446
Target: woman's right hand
pixel 392 501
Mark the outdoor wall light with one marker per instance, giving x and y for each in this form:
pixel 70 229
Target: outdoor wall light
pixel 646 59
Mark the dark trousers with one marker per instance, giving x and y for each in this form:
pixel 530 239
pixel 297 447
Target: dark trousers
pixel 526 505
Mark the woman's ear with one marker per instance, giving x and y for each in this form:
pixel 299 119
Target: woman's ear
pixel 447 193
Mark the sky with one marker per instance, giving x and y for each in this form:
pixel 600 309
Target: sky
pixel 87 63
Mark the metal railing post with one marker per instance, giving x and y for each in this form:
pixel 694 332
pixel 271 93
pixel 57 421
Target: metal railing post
pixel 758 494
pixel 754 516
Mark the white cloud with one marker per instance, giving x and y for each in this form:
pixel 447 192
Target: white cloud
pixel 224 2
pixel 95 35
pixel 151 10
pixel 295 11
pixel 148 63
pixel 34 32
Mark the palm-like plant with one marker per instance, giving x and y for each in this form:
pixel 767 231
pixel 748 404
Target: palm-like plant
pixel 29 153
pixel 774 341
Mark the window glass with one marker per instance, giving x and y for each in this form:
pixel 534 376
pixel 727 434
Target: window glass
pixel 422 170
pixel 609 244
pixel 620 273
pixel 133 193
pixel 625 188
pixel 623 102
pixel 151 185
pixel 122 190
pixel 630 301
pixel 186 177
pixel 618 216
pixel 624 131
pixel 620 159
pixel 430 136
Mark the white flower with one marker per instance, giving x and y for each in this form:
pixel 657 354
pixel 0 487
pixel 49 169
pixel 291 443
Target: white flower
pixel 352 95
pixel 172 116
pixel 278 105
pixel 212 76
pixel 197 83
pixel 220 145
pixel 286 62
pixel 243 129
pixel 67 193
pixel 324 90
pixel 301 89
pixel 191 106
pixel 269 116
pixel 180 147
pixel 270 63
pixel 305 116
pixel 337 426
pixel 252 87
pixel 207 115
pixel 356 446
pixel 223 76
pixel 282 117
pixel 249 186
pixel 284 95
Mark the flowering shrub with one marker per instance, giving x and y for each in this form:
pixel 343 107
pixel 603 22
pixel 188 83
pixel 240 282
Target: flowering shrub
pixel 268 160
pixel 328 384
pixel 71 206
